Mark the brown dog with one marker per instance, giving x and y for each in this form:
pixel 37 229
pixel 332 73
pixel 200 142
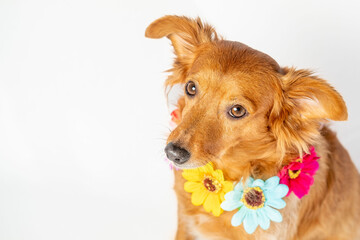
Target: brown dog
pixel 251 117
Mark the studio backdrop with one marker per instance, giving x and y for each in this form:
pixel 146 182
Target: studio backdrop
pixel 83 114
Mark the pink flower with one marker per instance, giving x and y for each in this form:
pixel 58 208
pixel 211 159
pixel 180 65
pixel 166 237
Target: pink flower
pixel 176 116
pixel 298 175
pixel 171 165
pixel 175 120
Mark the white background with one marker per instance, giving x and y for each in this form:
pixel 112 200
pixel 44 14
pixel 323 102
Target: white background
pixel 83 117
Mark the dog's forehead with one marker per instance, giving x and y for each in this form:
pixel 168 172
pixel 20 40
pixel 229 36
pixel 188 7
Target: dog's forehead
pixel 229 56
pixel 235 87
pixel 233 68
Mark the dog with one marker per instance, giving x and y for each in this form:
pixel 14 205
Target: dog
pixel 250 117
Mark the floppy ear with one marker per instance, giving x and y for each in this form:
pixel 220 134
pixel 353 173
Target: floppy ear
pixel 185 33
pixel 303 102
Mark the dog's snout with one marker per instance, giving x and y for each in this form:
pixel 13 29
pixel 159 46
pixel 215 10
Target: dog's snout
pixel 176 154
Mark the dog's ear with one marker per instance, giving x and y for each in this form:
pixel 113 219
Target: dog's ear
pixel 185 34
pixel 303 102
pixel 312 97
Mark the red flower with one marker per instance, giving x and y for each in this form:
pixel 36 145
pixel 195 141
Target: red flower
pixel 298 175
pixel 175 116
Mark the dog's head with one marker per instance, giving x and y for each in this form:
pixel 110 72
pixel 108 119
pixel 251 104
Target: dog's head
pixel 239 105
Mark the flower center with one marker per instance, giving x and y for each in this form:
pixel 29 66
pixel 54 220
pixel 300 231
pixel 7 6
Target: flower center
pixel 294 173
pixel 211 184
pixel 253 198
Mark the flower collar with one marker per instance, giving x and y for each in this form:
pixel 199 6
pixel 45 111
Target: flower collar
pixel 207 187
pixel 298 175
pixel 256 200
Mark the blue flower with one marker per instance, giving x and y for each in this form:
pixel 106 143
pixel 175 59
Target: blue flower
pixel 256 201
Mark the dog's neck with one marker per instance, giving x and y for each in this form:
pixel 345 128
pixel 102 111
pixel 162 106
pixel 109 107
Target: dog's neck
pixel 249 165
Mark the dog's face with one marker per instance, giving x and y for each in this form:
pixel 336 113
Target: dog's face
pixel 239 105
pixel 225 101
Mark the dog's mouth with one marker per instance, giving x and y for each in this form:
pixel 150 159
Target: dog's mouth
pixel 187 165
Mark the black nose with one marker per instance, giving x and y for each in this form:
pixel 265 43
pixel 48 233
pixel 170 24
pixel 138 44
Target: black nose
pixel 176 154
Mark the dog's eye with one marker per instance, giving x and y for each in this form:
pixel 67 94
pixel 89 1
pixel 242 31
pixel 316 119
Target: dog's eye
pixel 237 111
pixel 190 88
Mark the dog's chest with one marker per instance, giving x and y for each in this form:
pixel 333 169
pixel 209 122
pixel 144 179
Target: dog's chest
pixel 204 226
pixel 197 226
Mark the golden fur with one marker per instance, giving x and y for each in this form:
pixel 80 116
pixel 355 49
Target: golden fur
pixel 287 109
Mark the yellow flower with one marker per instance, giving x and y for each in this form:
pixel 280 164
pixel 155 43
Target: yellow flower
pixel 207 186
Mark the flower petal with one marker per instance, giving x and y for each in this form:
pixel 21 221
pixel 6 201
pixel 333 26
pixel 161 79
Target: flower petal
pixel 222 196
pixel 231 205
pixel 311 156
pixel 240 186
pixel 258 183
pixel 296 166
pixel 207 168
pixel 283 173
pixel 310 167
pixel 276 203
pixel 250 221
pixel 227 186
pixel 193 175
pixel 217 210
pixel 218 174
pixel 238 217
pixel 285 179
pixel 280 191
pixel 249 181
pixel 301 185
pixel 273 214
pixel 272 182
pixel 198 198
pixel 262 219
pixel 193 186
pixel 233 196
pixel 212 203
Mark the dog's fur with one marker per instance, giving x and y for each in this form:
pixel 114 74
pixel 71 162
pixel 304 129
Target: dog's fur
pixel 287 113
